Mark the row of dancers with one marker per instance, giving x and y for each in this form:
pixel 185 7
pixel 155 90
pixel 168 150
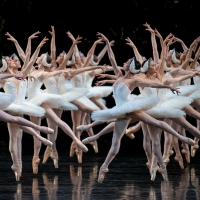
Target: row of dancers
pixel 156 108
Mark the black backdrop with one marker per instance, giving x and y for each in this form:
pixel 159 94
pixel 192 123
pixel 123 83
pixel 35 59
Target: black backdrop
pixel 116 19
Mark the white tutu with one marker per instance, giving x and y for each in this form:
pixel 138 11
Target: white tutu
pixel 87 102
pixel 99 91
pixel 37 97
pixel 6 100
pixel 25 108
pixel 124 105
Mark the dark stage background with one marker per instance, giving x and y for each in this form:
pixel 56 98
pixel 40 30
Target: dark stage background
pixel 116 19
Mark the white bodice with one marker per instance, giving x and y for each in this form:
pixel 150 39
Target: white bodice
pixel 34 88
pixel 121 93
pixel 88 80
pixel 153 92
pixel 20 92
pixel 52 86
pixel 78 80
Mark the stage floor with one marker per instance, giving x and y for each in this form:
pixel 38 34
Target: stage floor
pixel 128 179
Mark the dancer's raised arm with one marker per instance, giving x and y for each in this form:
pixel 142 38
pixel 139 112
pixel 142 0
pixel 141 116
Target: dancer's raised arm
pixel 185 48
pixel 53 44
pixel 189 54
pixel 102 53
pixel 27 69
pixel 136 52
pixel 91 52
pixel 153 42
pixel 19 49
pixel 193 64
pixel 69 54
pixel 159 36
pixel 142 84
pixel 168 81
pixel 111 56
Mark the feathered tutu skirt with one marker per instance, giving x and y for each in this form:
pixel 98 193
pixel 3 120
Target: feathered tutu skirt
pixel 120 110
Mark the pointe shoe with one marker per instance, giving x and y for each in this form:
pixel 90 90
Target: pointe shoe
pixel 102 172
pixel 35 163
pixel 186 153
pixel 95 146
pixel 180 161
pixel 153 171
pixel 82 128
pixel 72 149
pixel 46 130
pixel 129 133
pixel 148 164
pixel 166 160
pixel 171 152
pixel 193 149
pixel 79 154
pixel 15 169
pixel 46 142
pixel 188 140
pixel 47 154
pixel 54 157
pixel 163 172
pixel 81 146
pixel 89 140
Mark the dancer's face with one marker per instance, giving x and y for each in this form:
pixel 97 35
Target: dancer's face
pixel 153 67
pixel 169 55
pixel 83 58
pixel 10 62
pixel 60 58
pixel 17 61
pixel 39 59
pixel 126 65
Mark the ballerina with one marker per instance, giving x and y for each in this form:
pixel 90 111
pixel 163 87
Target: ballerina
pixel 57 85
pixel 19 107
pixel 126 112
pixel 49 101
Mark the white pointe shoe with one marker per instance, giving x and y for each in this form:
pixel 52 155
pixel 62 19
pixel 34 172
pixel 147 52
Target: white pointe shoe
pixel 163 172
pixel 102 172
pixel 82 128
pixel 89 140
pixel 54 157
pixel 47 154
pixel 179 159
pixel 16 171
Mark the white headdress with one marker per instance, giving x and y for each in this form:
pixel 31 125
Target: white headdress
pixel 166 69
pixel 145 67
pixel 13 55
pixel 70 62
pixel 92 62
pixel 132 67
pixel 44 61
pixel 174 59
pixel 4 67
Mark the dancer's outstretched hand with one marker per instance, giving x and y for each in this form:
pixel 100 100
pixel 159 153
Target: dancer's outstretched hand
pixel 100 75
pixel 10 37
pixel 129 42
pixel 70 35
pixel 98 83
pixel 99 41
pixel 77 40
pixel 103 68
pixel 112 43
pixel 168 38
pixel 19 77
pixel 43 42
pixel 32 78
pixel 66 74
pixel 148 28
pixel 171 41
pixel 104 38
pixel 174 90
pixel 158 34
pixel 34 35
pixel 52 32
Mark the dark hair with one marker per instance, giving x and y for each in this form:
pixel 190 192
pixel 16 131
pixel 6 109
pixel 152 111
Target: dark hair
pixel 178 55
pixel 49 59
